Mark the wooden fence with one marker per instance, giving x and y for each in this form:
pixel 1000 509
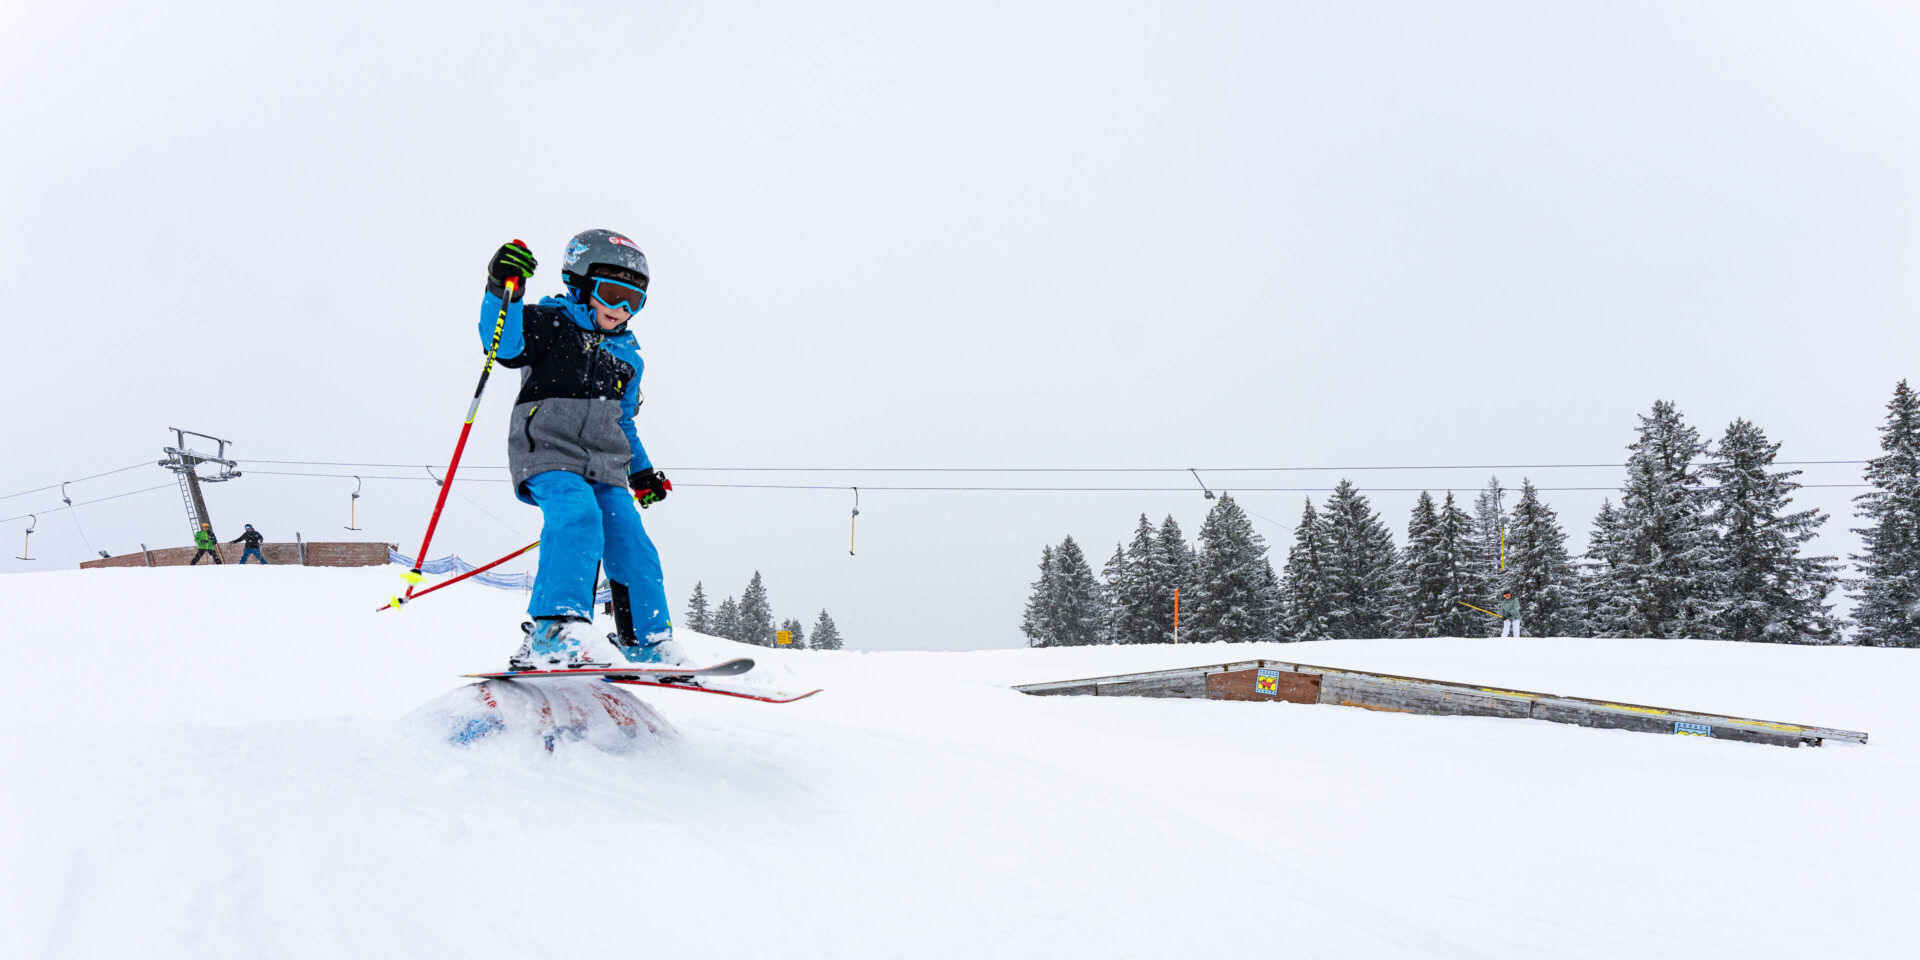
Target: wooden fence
pixel 298 554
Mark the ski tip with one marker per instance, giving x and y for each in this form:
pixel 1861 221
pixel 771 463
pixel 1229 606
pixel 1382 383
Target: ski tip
pixel 729 668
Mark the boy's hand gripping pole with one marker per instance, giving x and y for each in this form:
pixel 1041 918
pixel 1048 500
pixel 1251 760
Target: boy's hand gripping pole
pixel 440 503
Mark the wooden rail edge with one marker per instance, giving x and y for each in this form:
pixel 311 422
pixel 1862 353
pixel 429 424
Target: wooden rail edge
pixel 1305 683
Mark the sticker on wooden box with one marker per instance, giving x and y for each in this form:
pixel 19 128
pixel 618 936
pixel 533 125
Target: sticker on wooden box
pixel 1686 729
pixel 1267 682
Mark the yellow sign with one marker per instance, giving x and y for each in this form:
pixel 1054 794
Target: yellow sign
pixel 1267 681
pixel 784 638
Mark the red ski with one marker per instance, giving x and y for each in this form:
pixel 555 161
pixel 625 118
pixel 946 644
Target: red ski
pixel 699 686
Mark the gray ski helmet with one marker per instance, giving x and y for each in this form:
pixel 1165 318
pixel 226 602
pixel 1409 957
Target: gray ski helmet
pixel 603 253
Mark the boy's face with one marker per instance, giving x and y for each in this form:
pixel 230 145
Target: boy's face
pixel 609 318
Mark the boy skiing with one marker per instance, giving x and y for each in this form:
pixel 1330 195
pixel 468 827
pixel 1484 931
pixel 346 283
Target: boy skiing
pixel 252 539
pixel 574 453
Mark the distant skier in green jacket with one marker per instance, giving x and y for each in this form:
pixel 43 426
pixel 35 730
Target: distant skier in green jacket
pixel 1509 610
pixel 204 539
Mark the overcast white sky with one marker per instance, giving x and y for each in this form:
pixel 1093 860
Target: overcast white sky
pixel 893 235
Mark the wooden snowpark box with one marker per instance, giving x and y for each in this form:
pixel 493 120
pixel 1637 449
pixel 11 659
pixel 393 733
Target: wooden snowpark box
pixel 1277 680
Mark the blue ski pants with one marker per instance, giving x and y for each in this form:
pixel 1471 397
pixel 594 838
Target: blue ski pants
pixel 583 523
pixel 253 552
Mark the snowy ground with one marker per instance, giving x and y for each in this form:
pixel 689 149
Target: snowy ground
pixel 230 777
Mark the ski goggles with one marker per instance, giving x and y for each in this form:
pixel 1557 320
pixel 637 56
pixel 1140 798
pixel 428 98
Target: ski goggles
pixel 617 294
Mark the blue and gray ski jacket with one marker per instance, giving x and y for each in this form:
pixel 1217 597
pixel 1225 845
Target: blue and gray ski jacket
pixel 579 390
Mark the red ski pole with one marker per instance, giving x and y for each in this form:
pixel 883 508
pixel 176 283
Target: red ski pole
pixel 397 601
pixel 439 504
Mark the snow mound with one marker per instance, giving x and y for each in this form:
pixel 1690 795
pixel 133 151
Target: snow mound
pixel 546 713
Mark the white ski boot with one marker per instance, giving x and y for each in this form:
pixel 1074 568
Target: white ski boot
pixel 556 645
pixel 522 659
pixel 658 650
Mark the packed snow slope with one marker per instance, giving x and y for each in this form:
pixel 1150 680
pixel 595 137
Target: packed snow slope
pixel 212 762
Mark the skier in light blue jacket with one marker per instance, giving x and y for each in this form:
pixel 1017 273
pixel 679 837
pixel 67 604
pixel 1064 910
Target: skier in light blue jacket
pixel 574 452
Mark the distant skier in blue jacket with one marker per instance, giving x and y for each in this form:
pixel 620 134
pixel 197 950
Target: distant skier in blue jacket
pixel 574 453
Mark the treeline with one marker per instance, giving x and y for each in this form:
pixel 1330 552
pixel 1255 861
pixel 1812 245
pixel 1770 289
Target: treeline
pixel 750 620
pixel 1700 543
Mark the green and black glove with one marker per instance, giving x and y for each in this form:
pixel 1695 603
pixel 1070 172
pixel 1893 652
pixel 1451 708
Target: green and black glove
pixel 650 485
pixel 513 261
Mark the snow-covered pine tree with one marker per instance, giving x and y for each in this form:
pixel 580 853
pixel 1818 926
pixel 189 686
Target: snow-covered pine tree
pixel 726 621
pixel 1887 613
pixel 1174 570
pixel 1234 597
pixel 1427 582
pixel 799 635
pixel 699 618
pixel 1080 605
pixel 1453 535
pixel 1665 575
pixel 1136 593
pixel 1276 612
pixel 1306 603
pixel 1603 558
pixel 1539 572
pixel 1362 568
pixel 1112 576
pixel 1768 592
pixel 756 614
pixel 1487 579
pixel 1037 623
pixel 826 636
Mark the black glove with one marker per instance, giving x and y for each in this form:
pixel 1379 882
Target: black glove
pixel 650 485
pixel 514 261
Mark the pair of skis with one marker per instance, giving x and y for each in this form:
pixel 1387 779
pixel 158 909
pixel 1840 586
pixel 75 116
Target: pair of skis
pixel 698 679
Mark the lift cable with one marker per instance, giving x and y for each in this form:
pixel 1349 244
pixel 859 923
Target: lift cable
pixel 1349 469
pixel 82 503
pixel 55 486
